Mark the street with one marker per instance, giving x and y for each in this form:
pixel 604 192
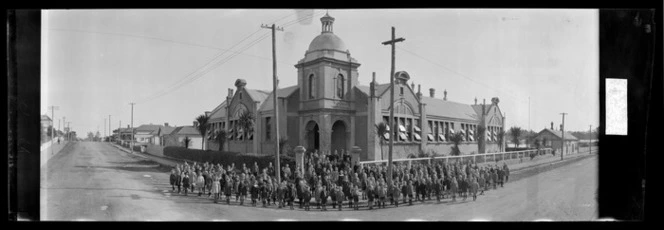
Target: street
pixel 96 181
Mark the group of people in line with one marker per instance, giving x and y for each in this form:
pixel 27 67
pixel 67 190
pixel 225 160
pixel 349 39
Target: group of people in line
pixel 331 179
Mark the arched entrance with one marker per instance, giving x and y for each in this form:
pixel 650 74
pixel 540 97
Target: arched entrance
pixel 338 137
pixel 313 136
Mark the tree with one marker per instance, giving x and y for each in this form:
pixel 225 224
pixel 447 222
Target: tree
pixel 221 138
pixel 186 142
pixel 516 133
pixel 381 130
pixel 456 140
pixel 480 137
pixel 202 127
pixel 246 122
pixel 501 137
pixel 49 131
pixel 91 136
pixel 282 144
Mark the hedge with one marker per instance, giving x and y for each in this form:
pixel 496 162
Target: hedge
pixel 225 158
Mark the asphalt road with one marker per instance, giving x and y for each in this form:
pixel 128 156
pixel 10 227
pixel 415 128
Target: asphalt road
pixel 96 181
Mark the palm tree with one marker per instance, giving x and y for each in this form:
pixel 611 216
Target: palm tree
pixel 381 130
pixel 221 138
pixel 246 122
pixel 501 137
pixel 516 133
pixel 456 140
pixel 186 142
pixel 202 127
pixel 479 136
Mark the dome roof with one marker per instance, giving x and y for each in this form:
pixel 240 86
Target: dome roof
pixel 327 41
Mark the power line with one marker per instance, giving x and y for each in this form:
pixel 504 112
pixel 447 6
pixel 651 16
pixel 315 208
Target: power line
pixel 196 74
pixel 460 74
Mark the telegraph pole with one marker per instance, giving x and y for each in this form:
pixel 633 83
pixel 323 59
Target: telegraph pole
pixel 132 127
pixel 104 128
pixel 51 128
pixel 109 128
pixel 563 142
pixel 68 133
pixel 392 43
pixel 275 81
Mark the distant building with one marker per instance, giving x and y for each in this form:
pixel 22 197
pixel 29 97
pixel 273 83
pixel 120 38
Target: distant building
pixel 553 139
pixel 162 132
pixel 144 133
pixel 177 136
pixel 45 123
pixel 329 111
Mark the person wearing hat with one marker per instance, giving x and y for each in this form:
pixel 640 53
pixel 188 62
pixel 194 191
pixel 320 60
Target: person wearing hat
pixel 507 172
pixel 371 194
pixel 494 177
pixel 501 176
pixel 242 187
pixel 228 188
pixel 333 195
pixel 481 183
pixel 186 183
pixel 339 196
pixel 474 185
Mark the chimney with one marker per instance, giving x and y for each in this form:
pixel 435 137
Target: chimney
pixel 412 85
pixel 372 85
pixel 552 125
pixel 445 95
pixel 166 124
pixel 230 92
pixel 561 127
pixel 373 77
pixel 475 100
pixel 432 92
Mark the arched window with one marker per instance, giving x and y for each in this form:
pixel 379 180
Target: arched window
pixel 340 86
pixel 312 86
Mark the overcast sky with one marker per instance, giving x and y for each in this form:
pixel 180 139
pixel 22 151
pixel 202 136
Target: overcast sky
pixel 95 62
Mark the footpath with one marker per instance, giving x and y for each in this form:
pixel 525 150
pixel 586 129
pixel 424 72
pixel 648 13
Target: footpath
pixel 516 167
pixel 50 149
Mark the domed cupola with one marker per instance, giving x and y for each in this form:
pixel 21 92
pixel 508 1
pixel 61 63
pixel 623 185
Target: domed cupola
pixel 327 40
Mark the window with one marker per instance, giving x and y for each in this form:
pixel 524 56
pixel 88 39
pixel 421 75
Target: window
pixel 268 127
pixel 401 91
pixel 240 95
pixel 312 86
pixel 340 86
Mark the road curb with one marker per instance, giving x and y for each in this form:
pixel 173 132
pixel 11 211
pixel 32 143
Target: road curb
pixel 552 163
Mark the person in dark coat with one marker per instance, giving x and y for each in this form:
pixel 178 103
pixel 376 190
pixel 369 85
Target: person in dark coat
pixel 323 198
pixel 453 188
pixel 292 192
pixel 356 196
pixel 501 176
pixel 481 183
pixel 307 197
pixel 186 183
pixel 178 180
pixel 228 189
pixel 494 178
pixel 409 190
pixel 254 190
pixel 474 186
pixel 404 190
pixel 242 186
pixel 173 179
pixel 437 187
pixel 507 172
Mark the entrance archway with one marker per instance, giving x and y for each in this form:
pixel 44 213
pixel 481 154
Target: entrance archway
pixel 338 137
pixel 313 136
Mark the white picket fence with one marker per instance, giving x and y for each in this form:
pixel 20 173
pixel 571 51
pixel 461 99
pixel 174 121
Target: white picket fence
pixel 477 158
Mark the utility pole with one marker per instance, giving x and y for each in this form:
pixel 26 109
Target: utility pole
pixel 391 42
pixel 562 130
pixel 68 133
pixel 275 81
pixel 109 128
pixel 132 127
pixel 51 128
pixel 64 126
pixel 104 128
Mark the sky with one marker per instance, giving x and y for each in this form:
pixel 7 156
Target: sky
pixel 177 64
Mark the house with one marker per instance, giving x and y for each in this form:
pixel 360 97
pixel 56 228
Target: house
pixel 328 110
pixel 551 138
pixel 178 135
pixel 45 123
pixel 144 133
pixel 161 133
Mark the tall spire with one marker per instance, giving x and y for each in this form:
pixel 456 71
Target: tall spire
pixel 327 22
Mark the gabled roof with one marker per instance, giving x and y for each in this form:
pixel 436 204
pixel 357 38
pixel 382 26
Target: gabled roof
pixel 438 107
pixel 166 130
pixel 148 128
pixel 257 95
pixel 218 112
pixel 559 134
pixel 382 88
pixel 45 118
pixel 478 109
pixel 186 130
pixel 268 104
pixel 364 89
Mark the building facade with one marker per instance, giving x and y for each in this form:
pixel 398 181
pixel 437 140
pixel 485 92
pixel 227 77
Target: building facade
pixel 551 138
pixel 329 111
